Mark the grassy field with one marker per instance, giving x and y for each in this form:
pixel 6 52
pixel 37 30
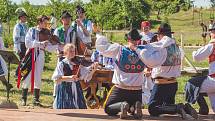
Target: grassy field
pixel 181 24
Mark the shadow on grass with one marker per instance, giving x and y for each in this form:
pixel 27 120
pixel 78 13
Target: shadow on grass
pixel 19 91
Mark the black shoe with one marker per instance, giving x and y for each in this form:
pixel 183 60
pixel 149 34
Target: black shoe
pixel 138 114
pixel 24 97
pixel 124 110
pixel 190 110
pixel 203 110
pixel 181 111
pixel 36 103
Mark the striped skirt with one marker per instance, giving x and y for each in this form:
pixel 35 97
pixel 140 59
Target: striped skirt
pixel 69 96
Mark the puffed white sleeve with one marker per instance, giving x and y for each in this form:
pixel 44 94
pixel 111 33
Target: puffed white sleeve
pixel 203 52
pixel 151 56
pixel 107 49
pixel 58 72
pixel 29 41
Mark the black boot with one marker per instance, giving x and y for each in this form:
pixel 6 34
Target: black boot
pixel 138 114
pixel 124 110
pixel 203 110
pixel 24 97
pixel 36 101
pixel 115 108
pixel 190 110
pixel 172 109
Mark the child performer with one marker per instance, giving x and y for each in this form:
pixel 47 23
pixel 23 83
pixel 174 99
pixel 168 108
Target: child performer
pixel 69 93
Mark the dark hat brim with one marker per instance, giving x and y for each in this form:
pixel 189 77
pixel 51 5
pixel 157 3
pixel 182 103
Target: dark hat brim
pixel 66 16
pixel 22 14
pixel 211 29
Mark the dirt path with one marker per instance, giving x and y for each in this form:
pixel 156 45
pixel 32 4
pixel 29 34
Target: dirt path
pixel 74 115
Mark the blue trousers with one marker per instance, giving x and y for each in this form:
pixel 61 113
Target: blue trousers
pixel 161 95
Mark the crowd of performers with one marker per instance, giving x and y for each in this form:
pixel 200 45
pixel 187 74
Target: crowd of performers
pixel 145 69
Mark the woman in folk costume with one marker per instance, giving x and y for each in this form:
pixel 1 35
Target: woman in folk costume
pixel 203 84
pixel 162 100
pixel 126 94
pixel 36 48
pixel 69 93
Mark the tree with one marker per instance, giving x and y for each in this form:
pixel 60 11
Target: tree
pixel 7 11
pixel 169 6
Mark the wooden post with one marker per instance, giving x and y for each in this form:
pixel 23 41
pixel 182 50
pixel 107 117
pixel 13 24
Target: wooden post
pixel 182 48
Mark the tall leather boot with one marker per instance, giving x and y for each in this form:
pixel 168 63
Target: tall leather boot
pixel 172 109
pixel 24 97
pixel 203 110
pixel 190 110
pixel 138 114
pixel 36 101
pixel 115 108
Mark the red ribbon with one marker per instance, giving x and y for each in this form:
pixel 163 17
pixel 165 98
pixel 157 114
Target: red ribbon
pixel 19 76
pixel 32 71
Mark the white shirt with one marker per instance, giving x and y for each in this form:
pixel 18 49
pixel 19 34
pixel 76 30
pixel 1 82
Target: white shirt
pixel 147 37
pixel 203 53
pixel 80 32
pixel 165 71
pixel 149 56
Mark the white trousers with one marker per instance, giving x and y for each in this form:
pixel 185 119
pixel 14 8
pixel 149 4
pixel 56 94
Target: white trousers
pixel 208 86
pixel 39 64
pixel 146 89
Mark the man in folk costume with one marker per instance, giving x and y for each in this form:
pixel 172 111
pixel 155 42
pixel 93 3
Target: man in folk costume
pixel 162 100
pixel 19 32
pixel 126 94
pixel 83 27
pixel 36 48
pixel 65 32
pixel 205 84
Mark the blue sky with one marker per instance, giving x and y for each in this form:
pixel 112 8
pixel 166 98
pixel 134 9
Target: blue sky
pixel 199 3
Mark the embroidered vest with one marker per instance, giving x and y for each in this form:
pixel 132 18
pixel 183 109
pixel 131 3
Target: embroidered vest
pixel 173 56
pixel 67 70
pixel 212 56
pixel 62 34
pixel 23 29
pixel 129 61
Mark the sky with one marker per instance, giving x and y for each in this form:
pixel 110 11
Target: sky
pixel 198 3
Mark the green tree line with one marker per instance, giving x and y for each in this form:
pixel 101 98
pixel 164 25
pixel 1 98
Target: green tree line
pixel 109 14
